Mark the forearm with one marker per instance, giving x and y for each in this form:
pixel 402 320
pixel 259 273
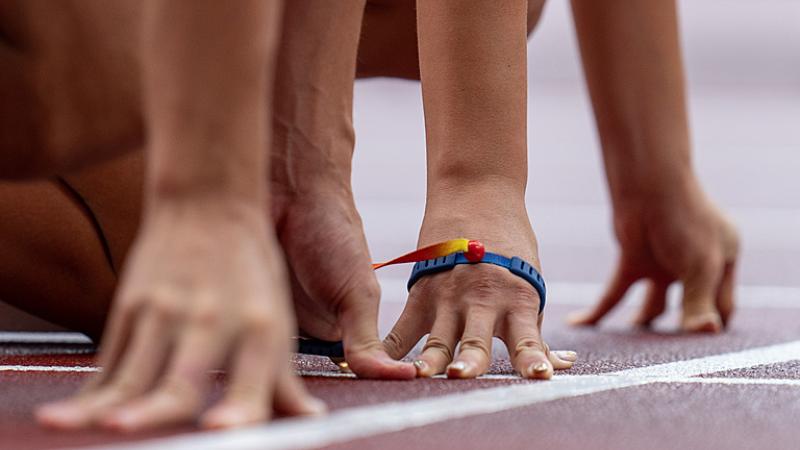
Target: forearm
pixel 632 60
pixel 474 85
pixel 206 85
pixel 313 105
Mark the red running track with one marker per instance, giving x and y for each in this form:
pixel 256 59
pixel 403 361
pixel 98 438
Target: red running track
pixel 720 413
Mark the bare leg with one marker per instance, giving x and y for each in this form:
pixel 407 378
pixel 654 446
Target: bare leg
pixel 46 235
pixel 69 81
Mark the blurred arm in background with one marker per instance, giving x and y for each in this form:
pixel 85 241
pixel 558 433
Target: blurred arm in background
pixel 668 230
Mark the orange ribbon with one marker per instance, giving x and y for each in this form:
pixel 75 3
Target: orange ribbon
pixel 473 250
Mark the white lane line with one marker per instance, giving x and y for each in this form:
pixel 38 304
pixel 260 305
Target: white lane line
pixel 771 354
pixel 739 381
pixel 43 337
pixel 491 377
pixel 359 422
pixel 49 369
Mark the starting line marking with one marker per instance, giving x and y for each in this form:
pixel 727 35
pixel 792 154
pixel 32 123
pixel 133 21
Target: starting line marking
pixel 360 422
pixel 49 369
pixel 499 377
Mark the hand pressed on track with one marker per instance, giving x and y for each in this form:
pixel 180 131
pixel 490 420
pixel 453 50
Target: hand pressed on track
pixel 204 289
pixel 470 304
pixel 335 291
pixel 681 237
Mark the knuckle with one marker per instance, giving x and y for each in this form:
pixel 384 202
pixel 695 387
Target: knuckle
pixel 164 310
pixel 440 346
pixel 477 344
pixel 164 305
pixel 206 317
pixel 181 392
pixel 259 320
pixel 528 344
pixel 393 342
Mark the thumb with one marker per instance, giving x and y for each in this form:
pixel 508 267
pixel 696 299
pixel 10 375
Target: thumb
pixel 364 351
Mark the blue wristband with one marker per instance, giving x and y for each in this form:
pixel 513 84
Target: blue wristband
pixel 515 265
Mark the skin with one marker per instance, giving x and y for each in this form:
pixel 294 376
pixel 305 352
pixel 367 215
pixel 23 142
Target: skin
pixel 667 228
pixel 314 212
pixel 477 174
pixel 205 284
pixel 465 299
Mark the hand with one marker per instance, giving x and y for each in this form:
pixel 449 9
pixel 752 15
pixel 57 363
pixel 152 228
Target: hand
pixel 677 237
pixel 336 294
pixel 471 304
pixel 204 290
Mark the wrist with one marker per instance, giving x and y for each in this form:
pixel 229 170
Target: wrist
pixel 500 193
pixel 648 182
pixel 186 171
pixel 656 200
pixel 493 213
pixel 209 210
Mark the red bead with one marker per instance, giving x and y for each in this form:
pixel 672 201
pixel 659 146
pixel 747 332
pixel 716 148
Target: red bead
pixel 475 251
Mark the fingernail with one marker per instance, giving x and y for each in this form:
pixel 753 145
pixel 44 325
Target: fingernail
pixel 420 364
pixel 567 355
pixel 538 368
pixel 457 368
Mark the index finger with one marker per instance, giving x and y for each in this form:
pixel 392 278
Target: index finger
pixel 616 290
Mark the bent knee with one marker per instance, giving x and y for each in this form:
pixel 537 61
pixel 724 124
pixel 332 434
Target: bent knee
pixel 23 149
pixel 535 8
pixel 69 85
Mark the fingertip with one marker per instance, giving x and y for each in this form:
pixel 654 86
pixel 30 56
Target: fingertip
pixel 709 322
pixel 229 416
pixel 581 319
pixel 424 370
pixel 535 365
pixel 559 363
pixel 121 421
pixel 314 407
pixel 540 370
pixel 60 416
pixel 461 370
pixel 380 365
pixel 566 355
